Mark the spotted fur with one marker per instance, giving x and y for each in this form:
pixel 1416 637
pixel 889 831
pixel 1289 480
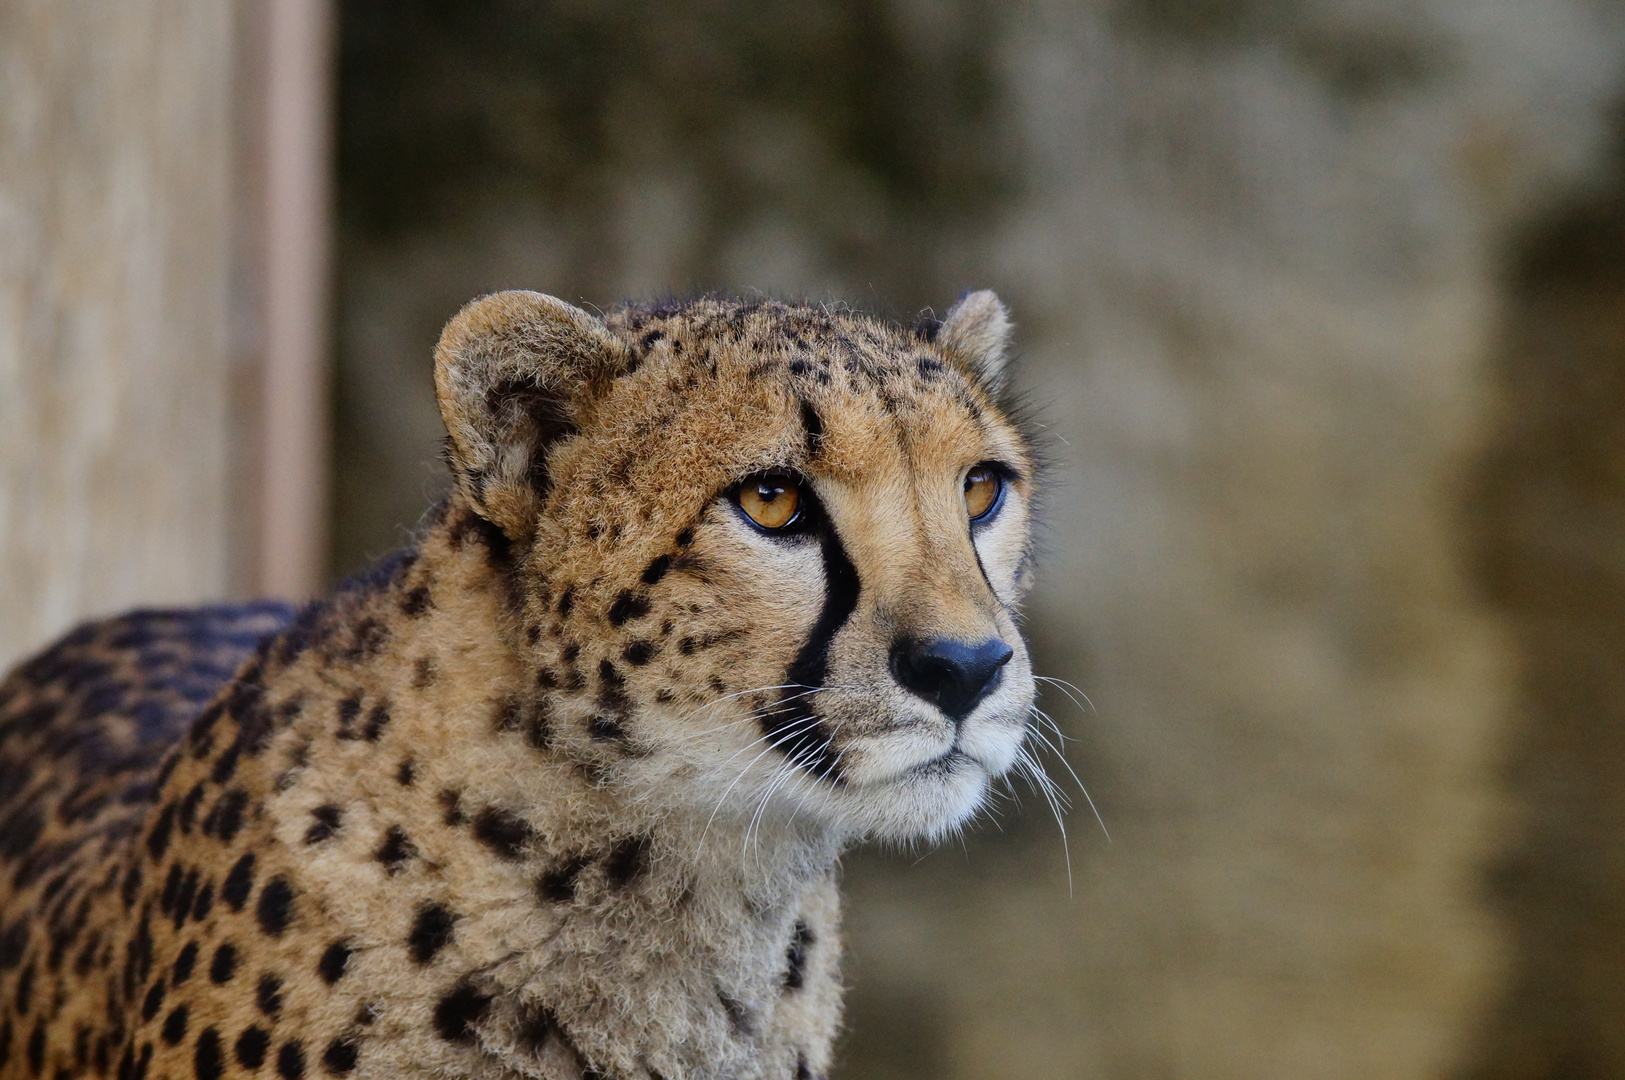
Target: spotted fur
pixel 559 790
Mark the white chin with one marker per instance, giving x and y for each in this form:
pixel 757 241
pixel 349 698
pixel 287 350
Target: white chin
pixel 926 803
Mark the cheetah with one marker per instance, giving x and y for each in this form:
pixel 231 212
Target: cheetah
pixel 559 789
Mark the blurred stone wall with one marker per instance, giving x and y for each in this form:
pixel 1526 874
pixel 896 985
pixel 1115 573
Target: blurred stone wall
pixel 1258 253
pixel 115 157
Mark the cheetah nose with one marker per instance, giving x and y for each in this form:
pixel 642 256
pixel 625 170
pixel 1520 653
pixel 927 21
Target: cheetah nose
pixel 952 675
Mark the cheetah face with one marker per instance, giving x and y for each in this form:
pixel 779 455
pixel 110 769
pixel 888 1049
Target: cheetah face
pixel 775 553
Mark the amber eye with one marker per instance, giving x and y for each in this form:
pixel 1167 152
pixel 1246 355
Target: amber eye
pixel 982 487
pixel 773 502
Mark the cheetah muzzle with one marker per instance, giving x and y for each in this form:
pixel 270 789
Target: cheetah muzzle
pixel 560 789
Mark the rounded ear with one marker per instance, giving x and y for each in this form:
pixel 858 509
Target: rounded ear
pixel 976 334
pixel 511 372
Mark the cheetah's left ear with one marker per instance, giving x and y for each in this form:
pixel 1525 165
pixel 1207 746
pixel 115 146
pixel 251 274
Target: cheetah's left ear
pixel 977 333
pixel 512 372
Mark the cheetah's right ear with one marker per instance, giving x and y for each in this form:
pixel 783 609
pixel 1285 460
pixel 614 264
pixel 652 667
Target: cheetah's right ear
pixel 511 372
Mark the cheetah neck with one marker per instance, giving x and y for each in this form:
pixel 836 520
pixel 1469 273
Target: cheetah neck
pixel 422 788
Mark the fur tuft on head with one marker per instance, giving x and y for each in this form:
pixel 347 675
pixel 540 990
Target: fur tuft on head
pixel 512 372
pixel 976 333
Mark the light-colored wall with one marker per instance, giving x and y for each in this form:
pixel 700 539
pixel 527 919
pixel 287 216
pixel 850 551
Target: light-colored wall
pixel 114 189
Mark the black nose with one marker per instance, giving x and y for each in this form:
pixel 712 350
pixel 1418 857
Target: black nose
pixel 951 675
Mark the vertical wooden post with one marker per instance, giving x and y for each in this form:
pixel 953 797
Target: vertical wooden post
pixel 294 420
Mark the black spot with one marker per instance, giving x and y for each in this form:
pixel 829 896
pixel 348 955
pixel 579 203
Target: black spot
pixel 25 990
pixel 813 424
pixel 290 1060
pixel 224 964
pixel 395 850
pixel 502 832
pixel 415 602
pixel 377 721
pixel 739 1018
pixel 656 569
pixel 275 910
pixel 431 931
pixel 803 1071
pixel 626 861
pixel 328 819
pixel 153 1001
pixel 536 1023
pixel 340 1055
pixel 175 1026
pixel 132 884
pixel 451 805
pixel 204 902
pixel 685 538
pixel 239 883
pixel 333 962
pixel 639 653
pixel 183 899
pixel 187 815
pixel 268 996
pixel 424 672
pixel 558 885
pixel 627 606
pixel 207 1059
pixel 36 1049
pixel 458 1011
pixel 226 819
pixel 226 764
pixel 185 962
pixel 172 889
pixel 158 838
pixel 567 600
pixel 251 1047
pixel 795 955
pixel 349 711
pixel 406 772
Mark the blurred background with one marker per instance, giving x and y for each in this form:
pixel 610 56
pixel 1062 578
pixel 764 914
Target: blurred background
pixel 1322 304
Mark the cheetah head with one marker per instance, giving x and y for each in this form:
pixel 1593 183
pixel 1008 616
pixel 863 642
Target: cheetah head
pixel 767 557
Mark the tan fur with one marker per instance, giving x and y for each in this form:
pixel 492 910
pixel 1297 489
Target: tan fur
pixel 515 804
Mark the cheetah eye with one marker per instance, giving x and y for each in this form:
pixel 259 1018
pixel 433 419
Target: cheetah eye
pixel 983 486
pixel 773 501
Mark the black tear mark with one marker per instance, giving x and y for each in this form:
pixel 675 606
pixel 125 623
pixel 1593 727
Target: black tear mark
pixel 793 727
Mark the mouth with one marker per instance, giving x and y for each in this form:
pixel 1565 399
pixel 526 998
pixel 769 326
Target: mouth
pixel 943 765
